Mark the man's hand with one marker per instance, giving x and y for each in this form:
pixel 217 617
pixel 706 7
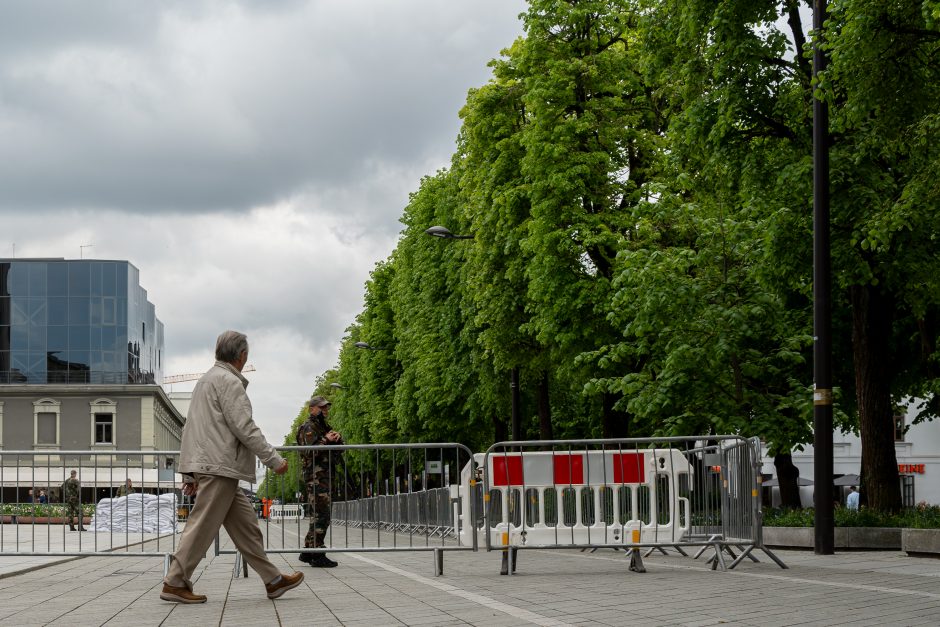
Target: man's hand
pixel 190 489
pixel 280 470
pixel 333 437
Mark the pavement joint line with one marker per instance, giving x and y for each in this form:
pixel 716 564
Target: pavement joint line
pixel 515 612
pixel 832 584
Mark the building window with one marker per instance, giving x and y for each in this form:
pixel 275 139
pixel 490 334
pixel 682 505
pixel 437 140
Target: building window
pixel 907 490
pixel 104 429
pixel 46 413
pixel 103 422
pixel 899 428
pixel 46 428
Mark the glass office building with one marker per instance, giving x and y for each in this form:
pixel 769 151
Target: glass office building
pixel 77 321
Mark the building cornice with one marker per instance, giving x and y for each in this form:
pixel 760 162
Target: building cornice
pixel 8 390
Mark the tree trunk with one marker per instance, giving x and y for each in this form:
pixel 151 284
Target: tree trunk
pixel 788 476
pixel 616 423
pixel 871 333
pixel 545 409
pixel 500 429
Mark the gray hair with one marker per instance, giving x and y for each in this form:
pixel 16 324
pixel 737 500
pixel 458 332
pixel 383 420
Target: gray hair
pixel 230 346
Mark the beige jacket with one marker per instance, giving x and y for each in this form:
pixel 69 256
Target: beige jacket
pixel 220 437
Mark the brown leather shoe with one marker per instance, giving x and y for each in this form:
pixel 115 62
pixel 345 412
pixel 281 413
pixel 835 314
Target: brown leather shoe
pixel 181 595
pixel 287 582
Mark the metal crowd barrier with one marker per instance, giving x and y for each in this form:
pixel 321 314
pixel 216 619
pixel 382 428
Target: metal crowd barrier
pixel 426 511
pixel 626 494
pixel 33 508
pixel 384 497
pixel 623 494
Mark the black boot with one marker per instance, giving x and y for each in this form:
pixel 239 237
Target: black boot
pixel 320 560
pixel 306 557
pixel 71 527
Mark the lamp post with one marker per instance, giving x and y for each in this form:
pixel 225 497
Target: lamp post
pixel 368 347
pixel 822 303
pixel 444 233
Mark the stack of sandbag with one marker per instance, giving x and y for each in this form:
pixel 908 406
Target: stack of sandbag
pixel 136 513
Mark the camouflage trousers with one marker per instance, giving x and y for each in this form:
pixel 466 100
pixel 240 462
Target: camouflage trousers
pixel 73 510
pixel 318 499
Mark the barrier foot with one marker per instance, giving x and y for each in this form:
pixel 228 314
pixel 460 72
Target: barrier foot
pixel 705 547
pixel 776 559
pixel 740 558
pixel 510 558
pixel 655 548
pixel 636 561
pixel 245 568
pixel 438 562
pixel 681 552
pixel 718 558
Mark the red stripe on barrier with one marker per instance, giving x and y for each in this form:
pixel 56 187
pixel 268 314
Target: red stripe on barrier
pixel 507 470
pixel 569 469
pixel 628 468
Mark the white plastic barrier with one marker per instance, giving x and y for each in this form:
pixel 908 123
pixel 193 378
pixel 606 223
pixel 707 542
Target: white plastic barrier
pixel 580 497
pixel 290 511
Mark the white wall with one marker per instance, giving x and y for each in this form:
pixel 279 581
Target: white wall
pixel 921 445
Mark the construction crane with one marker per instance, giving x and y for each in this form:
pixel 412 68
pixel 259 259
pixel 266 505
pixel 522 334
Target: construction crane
pixel 194 376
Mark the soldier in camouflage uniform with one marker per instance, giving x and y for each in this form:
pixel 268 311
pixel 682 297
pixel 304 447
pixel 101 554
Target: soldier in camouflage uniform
pixel 316 474
pixel 126 489
pixel 71 491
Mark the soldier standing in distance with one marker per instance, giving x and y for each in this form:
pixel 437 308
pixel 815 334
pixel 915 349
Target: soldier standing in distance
pixel 316 473
pixel 127 488
pixel 71 490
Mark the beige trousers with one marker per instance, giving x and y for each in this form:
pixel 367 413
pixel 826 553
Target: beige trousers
pixel 219 503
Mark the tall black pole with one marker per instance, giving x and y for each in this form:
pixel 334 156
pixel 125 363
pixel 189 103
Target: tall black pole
pixel 514 389
pixel 822 302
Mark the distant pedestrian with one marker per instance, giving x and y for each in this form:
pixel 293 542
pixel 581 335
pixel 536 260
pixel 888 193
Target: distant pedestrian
pixel 219 447
pixel 43 499
pixel 851 501
pixel 315 431
pixel 71 494
pixel 127 488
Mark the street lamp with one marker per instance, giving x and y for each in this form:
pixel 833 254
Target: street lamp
pixel 824 518
pixel 369 347
pixel 444 233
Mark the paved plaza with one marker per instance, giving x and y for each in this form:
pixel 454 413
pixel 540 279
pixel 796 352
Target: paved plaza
pixel 549 588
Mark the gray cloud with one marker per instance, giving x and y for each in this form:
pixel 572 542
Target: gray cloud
pixel 252 159
pixel 227 106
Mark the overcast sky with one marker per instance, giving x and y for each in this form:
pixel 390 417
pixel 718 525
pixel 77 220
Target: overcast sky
pixel 252 159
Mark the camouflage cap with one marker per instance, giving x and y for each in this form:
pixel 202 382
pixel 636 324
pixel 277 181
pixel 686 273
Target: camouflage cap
pixel 318 401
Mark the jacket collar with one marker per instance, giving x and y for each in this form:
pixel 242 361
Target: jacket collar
pixel 227 366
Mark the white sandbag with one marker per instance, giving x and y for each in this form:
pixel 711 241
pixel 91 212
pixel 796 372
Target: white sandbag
pixel 136 513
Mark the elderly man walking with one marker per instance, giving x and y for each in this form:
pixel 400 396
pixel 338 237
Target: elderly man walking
pixel 220 443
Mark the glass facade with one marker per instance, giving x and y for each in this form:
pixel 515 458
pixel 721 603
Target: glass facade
pixel 77 321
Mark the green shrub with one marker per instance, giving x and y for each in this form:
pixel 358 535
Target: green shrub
pixel 39 510
pixel 923 516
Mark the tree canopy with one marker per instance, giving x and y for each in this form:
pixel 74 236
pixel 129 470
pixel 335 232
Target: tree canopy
pixel 637 181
